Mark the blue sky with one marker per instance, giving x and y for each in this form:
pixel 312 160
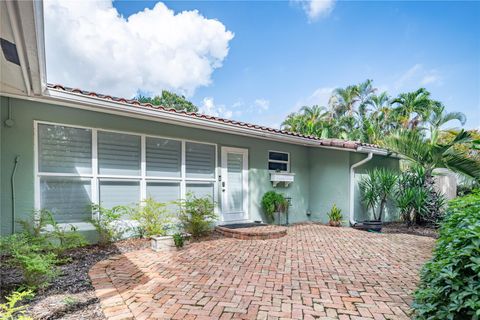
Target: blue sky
pixel 278 58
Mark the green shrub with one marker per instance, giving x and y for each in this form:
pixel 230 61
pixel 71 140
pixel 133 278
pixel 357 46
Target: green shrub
pixel 49 234
pixel 450 281
pixel 35 250
pixel 153 218
pixel 31 256
pixel 376 189
pixel 273 202
pixel 197 215
pixel 179 240
pixel 335 216
pixel 107 223
pixel 417 200
pixel 10 310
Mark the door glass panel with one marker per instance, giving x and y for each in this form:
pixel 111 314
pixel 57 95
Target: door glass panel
pixel 235 182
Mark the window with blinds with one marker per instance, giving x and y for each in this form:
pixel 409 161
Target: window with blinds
pixel 129 168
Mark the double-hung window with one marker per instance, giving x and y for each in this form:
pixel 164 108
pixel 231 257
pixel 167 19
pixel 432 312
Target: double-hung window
pixel 78 166
pixel 278 161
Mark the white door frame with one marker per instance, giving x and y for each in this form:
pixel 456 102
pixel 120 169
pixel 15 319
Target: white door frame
pixel 224 182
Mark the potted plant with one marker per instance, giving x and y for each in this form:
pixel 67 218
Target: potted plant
pixel 377 188
pixel 335 216
pixel 274 202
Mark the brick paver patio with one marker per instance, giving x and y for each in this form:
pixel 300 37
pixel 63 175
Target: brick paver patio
pixel 315 272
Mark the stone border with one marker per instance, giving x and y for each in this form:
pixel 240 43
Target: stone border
pixel 254 233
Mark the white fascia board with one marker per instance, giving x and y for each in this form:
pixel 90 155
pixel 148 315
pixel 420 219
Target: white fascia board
pixel 79 101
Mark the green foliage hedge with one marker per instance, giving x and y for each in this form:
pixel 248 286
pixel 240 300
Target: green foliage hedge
pixel 450 281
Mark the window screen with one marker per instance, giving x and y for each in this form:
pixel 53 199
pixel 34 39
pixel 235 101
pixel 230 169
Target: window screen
pixel 278 161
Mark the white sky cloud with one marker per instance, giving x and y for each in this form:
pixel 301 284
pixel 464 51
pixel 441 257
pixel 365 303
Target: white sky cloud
pixel 89 45
pixel 319 97
pixel 263 104
pixel 417 76
pixel 316 9
pixel 217 110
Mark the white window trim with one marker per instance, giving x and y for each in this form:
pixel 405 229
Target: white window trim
pixel 143 179
pixel 279 161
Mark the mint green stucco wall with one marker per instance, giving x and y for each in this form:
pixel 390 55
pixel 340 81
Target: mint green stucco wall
pixel 322 175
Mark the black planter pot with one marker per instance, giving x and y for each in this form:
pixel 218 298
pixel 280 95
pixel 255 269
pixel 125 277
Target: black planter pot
pixel 373 225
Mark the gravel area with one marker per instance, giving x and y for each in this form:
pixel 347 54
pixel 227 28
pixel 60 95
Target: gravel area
pixel 70 295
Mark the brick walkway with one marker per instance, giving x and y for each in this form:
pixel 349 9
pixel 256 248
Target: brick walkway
pixel 315 272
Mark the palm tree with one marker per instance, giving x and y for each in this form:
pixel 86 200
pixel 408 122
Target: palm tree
pixel 431 155
pixel 413 108
pixel 439 117
pixel 343 100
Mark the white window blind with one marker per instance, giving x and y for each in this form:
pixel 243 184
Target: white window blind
pixel 200 160
pixel 67 198
pixel 64 149
pixel 164 191
pixel 164 157
pixel 116 193
pixel 118 154
pixel 129 168
pixel 201 189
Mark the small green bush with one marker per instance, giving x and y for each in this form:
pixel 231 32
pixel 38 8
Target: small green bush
pixel 153 218
pixel 197 215
pixel 450 281
pixel 273 202
pixel 107 223
pixel 335 216
pixel 179 240
pixel 31 256
pixel 35 250
pixel 10 310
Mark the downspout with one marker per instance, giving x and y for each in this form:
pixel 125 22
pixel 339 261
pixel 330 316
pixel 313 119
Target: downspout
pixel 13 192
pixel 352 186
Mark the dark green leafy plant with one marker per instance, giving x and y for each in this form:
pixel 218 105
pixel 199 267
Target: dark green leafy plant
pixel 450 281
pixel 377 188
pixel 335 216
pixel 10 311
pixel 418 201
pixel 153 218
pixel 179 240
pixel 107 223
pixel 31 255
pixel 197 215
pixel 35 250
pixel 273 202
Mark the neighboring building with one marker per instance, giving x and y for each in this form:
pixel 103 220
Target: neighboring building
pixel 65 148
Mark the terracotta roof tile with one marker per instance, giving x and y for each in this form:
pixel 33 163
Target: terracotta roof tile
pixel 135 103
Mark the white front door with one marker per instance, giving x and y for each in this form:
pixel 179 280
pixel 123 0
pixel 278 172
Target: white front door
pixel 234 184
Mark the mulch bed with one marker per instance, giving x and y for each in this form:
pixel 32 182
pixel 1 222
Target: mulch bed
pixel 70 295
pixel 399 227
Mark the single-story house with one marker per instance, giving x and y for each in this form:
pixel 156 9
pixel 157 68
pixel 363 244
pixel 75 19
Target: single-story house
pixel 63 149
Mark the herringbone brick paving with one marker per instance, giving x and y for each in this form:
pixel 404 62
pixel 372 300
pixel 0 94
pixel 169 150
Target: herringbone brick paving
pixel 315 272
